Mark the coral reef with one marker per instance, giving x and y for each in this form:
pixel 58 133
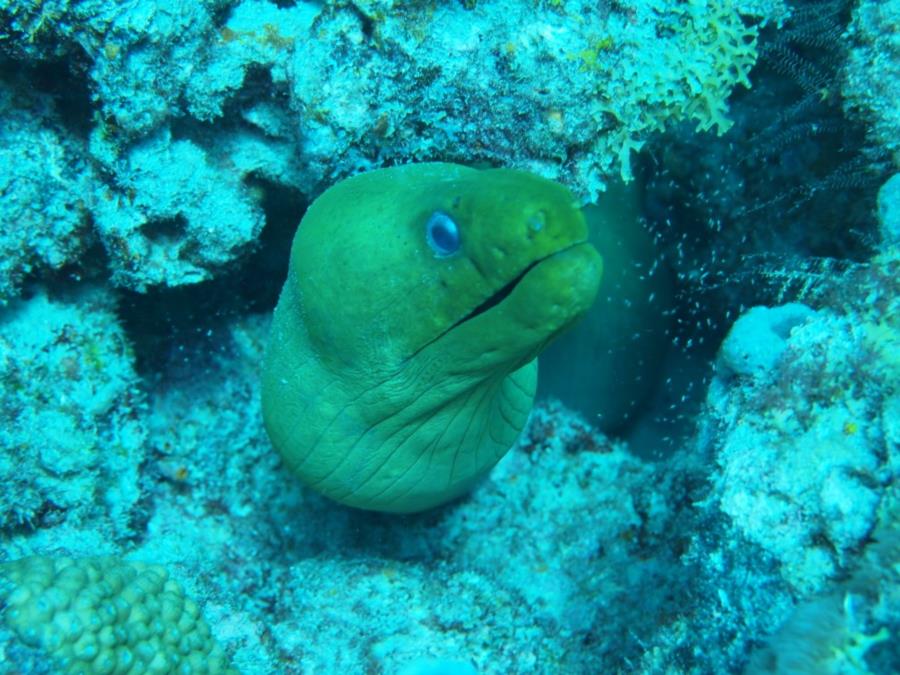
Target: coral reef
pixel 73 449
pixel 157 157
pixel 803 407
pixel 175 218
pixel 803 456
pixel 45 185
pixel 871 83
pixel 848 629
pixel 221 91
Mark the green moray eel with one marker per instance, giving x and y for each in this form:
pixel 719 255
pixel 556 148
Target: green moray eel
pixel 401 364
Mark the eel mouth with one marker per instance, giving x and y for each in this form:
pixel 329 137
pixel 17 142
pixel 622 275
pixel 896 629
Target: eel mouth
pixel 506 290
pixel 499 295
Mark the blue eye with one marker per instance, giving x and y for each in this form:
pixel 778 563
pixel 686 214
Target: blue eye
pixel 442 234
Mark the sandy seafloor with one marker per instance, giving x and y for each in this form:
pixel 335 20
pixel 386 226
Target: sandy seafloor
pixel 155 160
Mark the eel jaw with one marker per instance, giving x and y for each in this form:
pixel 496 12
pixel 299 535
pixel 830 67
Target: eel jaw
pixel 499 298
pixel 507 289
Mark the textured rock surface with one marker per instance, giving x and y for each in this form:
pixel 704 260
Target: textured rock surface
pixel 189 102
pixel 872 73
pixel 75 440
pixel 45 189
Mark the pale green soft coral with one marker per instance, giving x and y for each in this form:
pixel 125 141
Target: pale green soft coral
pixel 704 50
pixel 106 615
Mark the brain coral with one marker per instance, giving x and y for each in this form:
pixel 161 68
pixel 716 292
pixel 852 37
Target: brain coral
pixel 104 615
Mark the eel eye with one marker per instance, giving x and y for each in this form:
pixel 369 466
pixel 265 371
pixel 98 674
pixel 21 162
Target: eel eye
pixel 442 234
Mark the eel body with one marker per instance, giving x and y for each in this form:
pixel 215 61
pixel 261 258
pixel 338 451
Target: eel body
pixel 609 366
pixel 401 364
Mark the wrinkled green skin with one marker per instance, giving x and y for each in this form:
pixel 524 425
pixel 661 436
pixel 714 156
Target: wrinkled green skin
pixel 379 388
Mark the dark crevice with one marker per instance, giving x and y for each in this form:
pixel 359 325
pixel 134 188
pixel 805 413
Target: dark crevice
pixel 178 330
pixel 165 230
pixel 64 82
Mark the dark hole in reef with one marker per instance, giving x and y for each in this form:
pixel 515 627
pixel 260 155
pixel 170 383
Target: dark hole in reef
pixel 264 272
pixel 366 23
pixel 257 87
pixel 189 251
pixel 793 181
pixel 63 80
pixel 165 230
pixel 221 12
pixel 178 331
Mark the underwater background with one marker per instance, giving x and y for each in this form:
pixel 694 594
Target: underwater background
pixel 708 479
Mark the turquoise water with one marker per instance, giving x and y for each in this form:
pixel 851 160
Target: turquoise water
pixel 706 482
